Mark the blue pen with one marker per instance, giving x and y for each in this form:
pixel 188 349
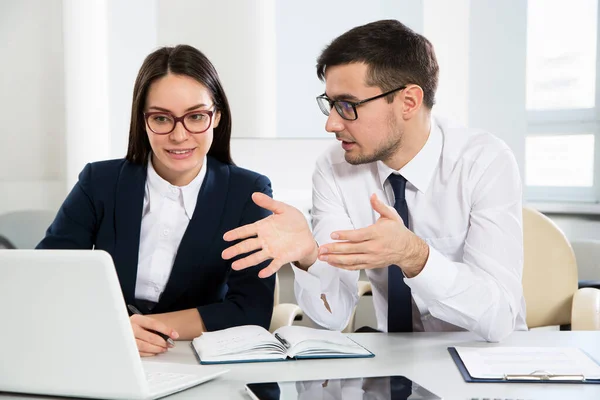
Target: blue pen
pixel 162 335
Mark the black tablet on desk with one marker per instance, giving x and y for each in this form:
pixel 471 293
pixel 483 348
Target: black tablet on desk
pixel 368 388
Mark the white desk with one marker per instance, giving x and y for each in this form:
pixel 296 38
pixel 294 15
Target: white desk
pixel 423 357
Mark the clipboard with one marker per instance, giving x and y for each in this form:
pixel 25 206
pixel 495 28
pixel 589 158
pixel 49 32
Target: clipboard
pixel 534 377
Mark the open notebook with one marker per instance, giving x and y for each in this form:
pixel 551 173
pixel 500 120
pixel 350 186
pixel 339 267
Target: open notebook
pixel 525 364
pixel 251 343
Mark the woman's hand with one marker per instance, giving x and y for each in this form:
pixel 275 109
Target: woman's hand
pixel 148 342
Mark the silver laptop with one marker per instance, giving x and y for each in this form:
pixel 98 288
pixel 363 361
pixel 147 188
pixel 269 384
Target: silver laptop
pixel 65 331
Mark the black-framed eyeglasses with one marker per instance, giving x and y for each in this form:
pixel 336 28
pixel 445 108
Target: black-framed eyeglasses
pixel 163 122
pixel 347 109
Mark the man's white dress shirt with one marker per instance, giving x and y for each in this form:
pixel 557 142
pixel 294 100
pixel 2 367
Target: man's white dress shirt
pixel 166 215
pixel 464 200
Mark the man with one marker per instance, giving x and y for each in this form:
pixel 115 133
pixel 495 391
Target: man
pixel 431 210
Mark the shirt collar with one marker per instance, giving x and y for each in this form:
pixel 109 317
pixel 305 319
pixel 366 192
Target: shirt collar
pixel 419 170
pixel 189 193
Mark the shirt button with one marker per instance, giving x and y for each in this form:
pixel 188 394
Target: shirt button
pixel 166 232
pixel 173 190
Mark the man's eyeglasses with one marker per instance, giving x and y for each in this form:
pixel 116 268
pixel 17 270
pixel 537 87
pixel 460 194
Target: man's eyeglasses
pixel 163 122
pixel 347 109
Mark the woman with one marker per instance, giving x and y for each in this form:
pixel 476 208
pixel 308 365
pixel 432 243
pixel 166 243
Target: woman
pixel 162 211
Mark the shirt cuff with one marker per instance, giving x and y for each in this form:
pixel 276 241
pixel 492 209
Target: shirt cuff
pixel 435 279
pixel 316 280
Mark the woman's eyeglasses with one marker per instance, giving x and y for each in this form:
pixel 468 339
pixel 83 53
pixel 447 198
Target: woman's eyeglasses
pixel 163 123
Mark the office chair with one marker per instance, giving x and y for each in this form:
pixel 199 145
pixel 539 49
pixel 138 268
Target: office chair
pixel 5 243
pixel 25 228
pixel 550 283
pixel 283 314
pixel 364 289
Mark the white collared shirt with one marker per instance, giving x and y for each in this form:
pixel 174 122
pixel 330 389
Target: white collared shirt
pixel 464 200
pixel 166 214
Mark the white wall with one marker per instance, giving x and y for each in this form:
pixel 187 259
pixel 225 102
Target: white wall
pixel 482 65
pixel 105 43
pixel 302 34
pixel 452 52
pixel 289 164
pixel 93 71
pixel 265 52
pixel 32 80
pixel 578 227
pixel 497 57
pixel 238 36
pixel 132 35
pixel 32 154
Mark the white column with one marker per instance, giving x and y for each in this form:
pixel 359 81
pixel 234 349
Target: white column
pixel 238 36
pixel 105 42
pixel 131 37
pixel 86 84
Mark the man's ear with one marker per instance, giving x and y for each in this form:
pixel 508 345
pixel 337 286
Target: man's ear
pixel 412 100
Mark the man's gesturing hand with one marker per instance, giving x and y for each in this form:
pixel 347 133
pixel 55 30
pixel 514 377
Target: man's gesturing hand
pixel 283 237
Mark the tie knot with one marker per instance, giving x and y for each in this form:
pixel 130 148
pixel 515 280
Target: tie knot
pixel 398 183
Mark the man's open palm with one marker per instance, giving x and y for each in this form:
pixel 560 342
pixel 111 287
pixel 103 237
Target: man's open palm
pixel 283 237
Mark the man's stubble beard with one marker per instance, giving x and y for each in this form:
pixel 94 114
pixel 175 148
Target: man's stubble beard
pixel 386 151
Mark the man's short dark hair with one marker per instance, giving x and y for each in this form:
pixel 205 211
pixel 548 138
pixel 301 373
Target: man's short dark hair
pixel 394 53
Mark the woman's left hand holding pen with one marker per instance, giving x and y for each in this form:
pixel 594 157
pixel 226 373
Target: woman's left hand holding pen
pixel 149 343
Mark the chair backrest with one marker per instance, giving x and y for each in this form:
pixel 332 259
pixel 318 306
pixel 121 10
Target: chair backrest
pixel 5 244
pixel 26 228
pixel 549 271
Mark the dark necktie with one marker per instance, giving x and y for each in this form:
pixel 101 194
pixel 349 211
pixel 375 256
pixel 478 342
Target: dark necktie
pixel 399 297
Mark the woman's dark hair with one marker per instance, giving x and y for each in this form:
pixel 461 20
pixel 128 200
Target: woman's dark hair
pixel 178 60
pixel 395 56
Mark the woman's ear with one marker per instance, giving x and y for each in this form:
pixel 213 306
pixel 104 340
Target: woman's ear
pixel 217 119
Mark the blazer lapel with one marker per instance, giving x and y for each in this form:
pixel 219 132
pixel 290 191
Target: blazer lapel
pixel 201 232
pixel 129 203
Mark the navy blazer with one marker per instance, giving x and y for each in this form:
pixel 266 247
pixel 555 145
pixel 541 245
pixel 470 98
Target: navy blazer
pixel 104 211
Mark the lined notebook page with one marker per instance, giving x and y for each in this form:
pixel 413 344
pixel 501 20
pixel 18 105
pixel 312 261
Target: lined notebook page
pixel 305 341
pixel 246 340
pixel 297 334
pixel 495 362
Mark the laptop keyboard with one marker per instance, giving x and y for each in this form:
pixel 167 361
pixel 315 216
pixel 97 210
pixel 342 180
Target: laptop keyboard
pixel 160 380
